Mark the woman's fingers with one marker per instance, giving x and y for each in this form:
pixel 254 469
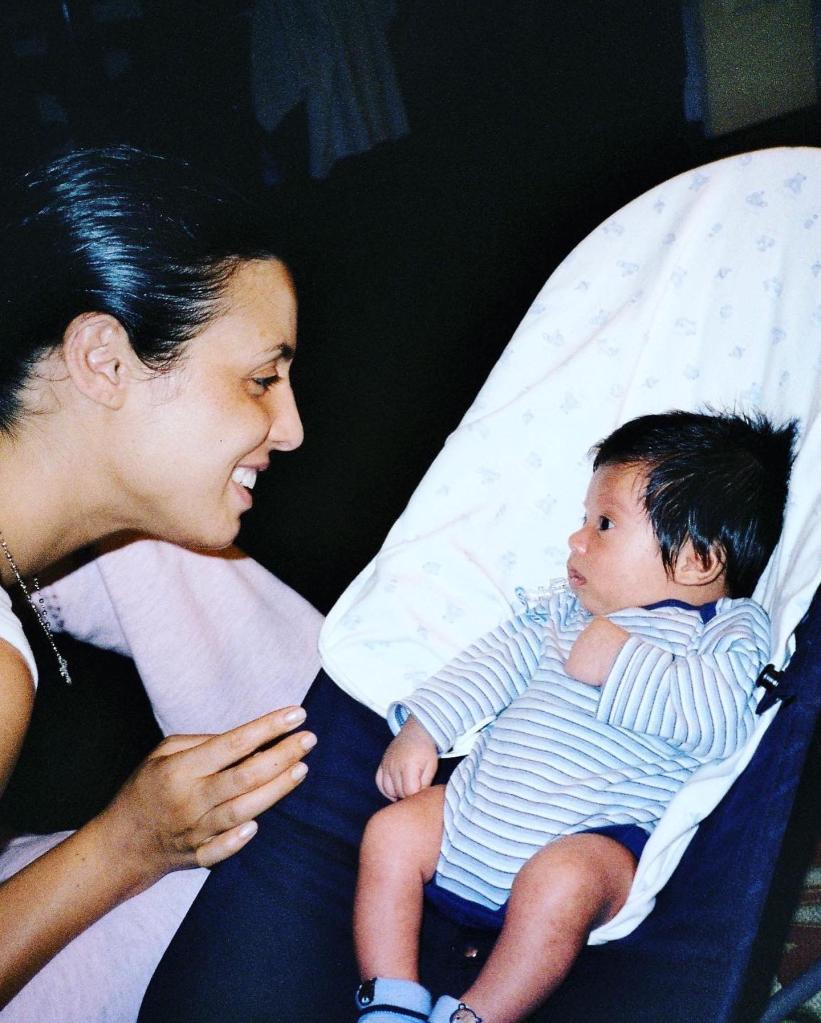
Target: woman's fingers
pixel 232 814
pixel 259 769
pixel 195 789
pixel 230 747
pixel 178 743
pixel 222 846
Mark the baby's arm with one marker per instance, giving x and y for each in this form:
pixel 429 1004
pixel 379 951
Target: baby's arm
pixel 594 653
pixel 701 701
pixel 476 685
pixel 468 691
pixel 409 763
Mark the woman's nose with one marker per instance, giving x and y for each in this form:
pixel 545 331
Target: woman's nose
pixel 286 431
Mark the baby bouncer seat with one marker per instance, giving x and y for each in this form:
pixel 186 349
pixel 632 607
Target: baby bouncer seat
pixel 705 291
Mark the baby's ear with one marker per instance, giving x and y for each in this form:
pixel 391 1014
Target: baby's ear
pixel 694 569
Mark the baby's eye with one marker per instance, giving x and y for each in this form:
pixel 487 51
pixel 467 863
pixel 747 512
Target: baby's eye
pixel 605 523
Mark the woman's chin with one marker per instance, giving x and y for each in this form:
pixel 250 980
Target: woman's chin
pixel 220 542
pixel 209 538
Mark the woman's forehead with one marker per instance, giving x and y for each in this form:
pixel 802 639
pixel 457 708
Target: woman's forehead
pixel 258 311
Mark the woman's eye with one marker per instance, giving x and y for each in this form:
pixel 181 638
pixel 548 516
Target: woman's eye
pixel 604 522
pixel 265 383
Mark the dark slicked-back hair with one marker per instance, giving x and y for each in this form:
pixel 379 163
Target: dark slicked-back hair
pixel 142 237
pixel 718 479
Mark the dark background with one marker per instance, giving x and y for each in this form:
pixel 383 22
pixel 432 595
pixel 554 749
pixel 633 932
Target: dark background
pixel 530 121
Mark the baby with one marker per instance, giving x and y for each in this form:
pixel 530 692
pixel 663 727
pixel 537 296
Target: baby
pixel 604 702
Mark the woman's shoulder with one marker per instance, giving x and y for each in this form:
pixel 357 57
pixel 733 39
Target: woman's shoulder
pixel 11 632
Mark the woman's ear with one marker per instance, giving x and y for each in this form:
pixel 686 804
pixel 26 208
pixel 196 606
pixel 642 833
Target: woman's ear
pixel 98 357
pixel 692 569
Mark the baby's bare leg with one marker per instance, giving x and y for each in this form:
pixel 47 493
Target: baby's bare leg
pixel 568 888
pixel 398 856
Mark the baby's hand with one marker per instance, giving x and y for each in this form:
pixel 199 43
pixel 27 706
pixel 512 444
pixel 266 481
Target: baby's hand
pixel 595 651
pixel 409 763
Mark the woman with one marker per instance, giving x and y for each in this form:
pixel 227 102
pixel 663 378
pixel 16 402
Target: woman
pixel 147 334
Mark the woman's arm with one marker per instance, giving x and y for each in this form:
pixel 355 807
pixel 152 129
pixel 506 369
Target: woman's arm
pixel 16 701
pixel 192 802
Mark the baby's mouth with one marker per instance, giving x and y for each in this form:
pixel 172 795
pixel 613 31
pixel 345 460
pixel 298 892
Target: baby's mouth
pixel 575 578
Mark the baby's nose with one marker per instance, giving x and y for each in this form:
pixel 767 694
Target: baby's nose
pixel 576 541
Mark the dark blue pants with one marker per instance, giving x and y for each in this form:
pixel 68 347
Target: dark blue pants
pixel 269 937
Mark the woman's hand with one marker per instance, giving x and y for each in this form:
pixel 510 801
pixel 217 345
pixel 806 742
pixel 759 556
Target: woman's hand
pixel 409 763
pixel 594 653
pixel 194 799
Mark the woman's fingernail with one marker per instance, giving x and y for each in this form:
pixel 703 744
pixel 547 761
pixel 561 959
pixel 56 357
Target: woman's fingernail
pixel 308 741
pixel 248 829
pixel 299 771
pixel 294 716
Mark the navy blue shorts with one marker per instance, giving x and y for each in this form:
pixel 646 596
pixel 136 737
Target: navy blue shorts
pixel 471 914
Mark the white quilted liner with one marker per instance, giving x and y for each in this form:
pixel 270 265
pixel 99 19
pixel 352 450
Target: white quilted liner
pixel 705 290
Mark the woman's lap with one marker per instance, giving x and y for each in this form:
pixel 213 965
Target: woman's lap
pixel 272 927
pixel 269 937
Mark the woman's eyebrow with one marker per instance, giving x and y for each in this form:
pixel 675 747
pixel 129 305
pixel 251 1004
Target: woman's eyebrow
pixel 284 351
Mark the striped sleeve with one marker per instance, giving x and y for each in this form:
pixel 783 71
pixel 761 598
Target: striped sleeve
pixel 701 702
pixel 477 684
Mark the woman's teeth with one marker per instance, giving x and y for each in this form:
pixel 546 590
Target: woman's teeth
pixel 244 476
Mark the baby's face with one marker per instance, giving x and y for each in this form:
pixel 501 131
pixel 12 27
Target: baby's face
pixel 615 561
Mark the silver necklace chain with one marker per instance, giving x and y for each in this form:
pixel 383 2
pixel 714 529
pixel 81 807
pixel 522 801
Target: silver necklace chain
pixel 39 609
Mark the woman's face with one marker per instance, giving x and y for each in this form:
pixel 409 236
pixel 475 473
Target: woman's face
pixel 207 427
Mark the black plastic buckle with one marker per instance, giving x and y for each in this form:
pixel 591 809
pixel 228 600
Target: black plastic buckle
pixel 772 681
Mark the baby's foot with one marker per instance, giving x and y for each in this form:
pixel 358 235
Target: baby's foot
pixel 390 1000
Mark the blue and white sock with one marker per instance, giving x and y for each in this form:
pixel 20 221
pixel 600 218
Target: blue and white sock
pixel 451 1010
pixel 389 1000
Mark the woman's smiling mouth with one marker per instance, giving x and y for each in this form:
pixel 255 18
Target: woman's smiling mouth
pixel 245 476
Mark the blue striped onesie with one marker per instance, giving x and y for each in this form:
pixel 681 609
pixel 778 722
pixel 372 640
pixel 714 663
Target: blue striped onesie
pixel 562 756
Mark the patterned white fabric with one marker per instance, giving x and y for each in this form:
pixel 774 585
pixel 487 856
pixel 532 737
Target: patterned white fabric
pixel 707 289
pixel 562 756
